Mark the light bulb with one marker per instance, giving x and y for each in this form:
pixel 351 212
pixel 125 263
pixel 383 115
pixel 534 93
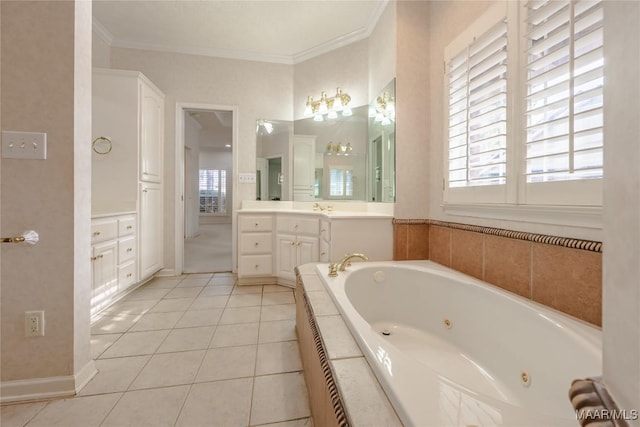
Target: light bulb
pixel 379 117
pixel 332 114
pixel 346 111
pixel 323 104
pixel 317 117
pixel 308 109
pixel 385 121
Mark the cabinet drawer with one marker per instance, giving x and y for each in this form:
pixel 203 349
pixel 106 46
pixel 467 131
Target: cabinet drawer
pixel 126 226
pixel 103 229
pixel 126 249
pixel 252 243
pixel 255 265
pixel 127 275
pixel 325 231
pixel 255 223
pixel 298 225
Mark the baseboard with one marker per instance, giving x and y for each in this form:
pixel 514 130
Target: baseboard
pixel 166 272
pixel 46 388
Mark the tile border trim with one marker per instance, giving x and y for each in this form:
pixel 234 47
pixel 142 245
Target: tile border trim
pixel 585 245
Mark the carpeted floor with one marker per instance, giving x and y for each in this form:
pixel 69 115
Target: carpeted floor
pixel 210 251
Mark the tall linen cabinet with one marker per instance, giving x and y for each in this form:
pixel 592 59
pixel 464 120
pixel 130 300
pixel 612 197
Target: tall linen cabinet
pixel 128 110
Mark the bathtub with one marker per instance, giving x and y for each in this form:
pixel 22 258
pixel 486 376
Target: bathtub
pixel 451 350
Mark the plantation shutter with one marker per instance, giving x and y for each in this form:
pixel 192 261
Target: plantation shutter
pixel 564 78
pixel 477 127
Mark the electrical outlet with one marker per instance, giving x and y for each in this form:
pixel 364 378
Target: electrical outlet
pixel 34 323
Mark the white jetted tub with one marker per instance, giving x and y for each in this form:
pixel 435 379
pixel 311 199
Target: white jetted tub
pixel 451 350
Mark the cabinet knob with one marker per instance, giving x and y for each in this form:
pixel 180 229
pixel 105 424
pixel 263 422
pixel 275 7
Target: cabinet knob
pixel 144 190
pixel 257 243
pixel 96 233
pixel 292 243
pixel 130 274
pixel 129 227
pixel 257 265
pixel 322 230
pixel 257 224
pixel 129 249
pixel 298 243
pixel 93 258
pixel 323 253
pixel 295 226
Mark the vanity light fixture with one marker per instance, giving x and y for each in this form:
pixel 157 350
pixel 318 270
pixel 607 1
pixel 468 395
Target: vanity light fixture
pixel 329 106
pixel 265 126
pixel 338 149
pixel 385 109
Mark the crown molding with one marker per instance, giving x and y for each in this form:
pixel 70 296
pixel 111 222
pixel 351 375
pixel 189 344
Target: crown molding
pixel 357 35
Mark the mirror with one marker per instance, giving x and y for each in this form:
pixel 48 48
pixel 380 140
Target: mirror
pixel 347 158
pixel 382 146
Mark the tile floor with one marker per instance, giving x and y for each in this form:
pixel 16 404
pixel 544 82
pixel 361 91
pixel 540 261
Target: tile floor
pixel 195 350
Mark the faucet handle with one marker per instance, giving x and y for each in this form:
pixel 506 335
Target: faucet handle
pixel 333 270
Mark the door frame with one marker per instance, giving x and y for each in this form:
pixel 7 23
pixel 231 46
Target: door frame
pixel 180 179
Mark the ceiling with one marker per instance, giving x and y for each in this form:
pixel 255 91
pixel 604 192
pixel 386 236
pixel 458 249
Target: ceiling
pixel 264 30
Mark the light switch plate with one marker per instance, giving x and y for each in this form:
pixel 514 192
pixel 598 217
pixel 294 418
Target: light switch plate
pixel 247 178
pixel 24 145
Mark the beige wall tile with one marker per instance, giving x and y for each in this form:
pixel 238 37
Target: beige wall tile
pixel 418 241
pixel 569 280
pixel 440 245
pixel 400 242
pixel 467 252
pixel 507 264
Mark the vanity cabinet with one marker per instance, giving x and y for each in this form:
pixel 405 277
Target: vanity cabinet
pixel 113 257
pixel 255 243
pixel 272 244
pixel 297 244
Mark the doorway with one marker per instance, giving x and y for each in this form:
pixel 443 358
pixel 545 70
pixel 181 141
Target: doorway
pixel 208 194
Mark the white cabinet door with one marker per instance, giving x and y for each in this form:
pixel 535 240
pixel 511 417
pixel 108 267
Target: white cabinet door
pixel 286 256
pixel 151 117
pixel 151 244
pixel 105 273
pixel 307 250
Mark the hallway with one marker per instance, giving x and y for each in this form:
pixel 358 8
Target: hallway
pixel 210 250
pixel 189 351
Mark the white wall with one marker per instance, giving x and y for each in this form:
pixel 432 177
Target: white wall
pixel 621 269
pixel 346 67
pixel 258 90
pixel 192 154
pixel 101 51
pixel 382 51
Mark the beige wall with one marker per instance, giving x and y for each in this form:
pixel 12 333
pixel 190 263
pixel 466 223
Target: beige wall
pixel 382 51
pixel 621 287
pixel 412 94
pixel 100 52
pixel 46 80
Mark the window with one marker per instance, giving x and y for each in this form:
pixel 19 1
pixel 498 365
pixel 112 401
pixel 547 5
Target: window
pixel 340 182
pixel 213 191
pixel 528 135
pixel 478 111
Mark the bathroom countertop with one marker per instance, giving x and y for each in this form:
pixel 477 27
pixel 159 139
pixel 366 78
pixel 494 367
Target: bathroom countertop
pixel 110 214
pixel 323 214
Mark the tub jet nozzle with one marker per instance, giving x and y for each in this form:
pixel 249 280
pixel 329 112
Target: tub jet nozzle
pixel 386 332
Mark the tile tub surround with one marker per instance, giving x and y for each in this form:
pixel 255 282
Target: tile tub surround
pixel 561 273
pixel 343 390
pixel 217 357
